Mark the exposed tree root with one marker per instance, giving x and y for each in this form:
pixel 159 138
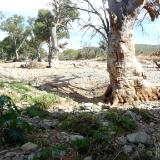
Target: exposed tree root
pixel 130 96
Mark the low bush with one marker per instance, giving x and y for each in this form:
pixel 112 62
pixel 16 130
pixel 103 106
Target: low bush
pixel 13 129
pixel 44 101
pixel 81 145
pixel 121 122
pixel 36 110
pixel 83 123
pixel 143 113
pixel 2 84
pixel 20 87
pixel 55 152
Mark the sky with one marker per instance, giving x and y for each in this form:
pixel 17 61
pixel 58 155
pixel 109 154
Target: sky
pixel 150 34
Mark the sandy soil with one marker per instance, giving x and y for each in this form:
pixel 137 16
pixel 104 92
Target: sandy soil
pixel 84 81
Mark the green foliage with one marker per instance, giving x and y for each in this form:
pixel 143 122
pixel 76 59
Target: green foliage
pixel 83 123
pixel 145 48
pixel 44 101
pixel 121 122
pixel 13 128
pixel 56 152
pixel 69 54
pixel 41 28
pixel 81 145
pixel 128 123
pixel 19 87
pixel 85 53
pixel 17 32
pixel 143 113
pixel 35 110
pixel 2 84
pixel 101 135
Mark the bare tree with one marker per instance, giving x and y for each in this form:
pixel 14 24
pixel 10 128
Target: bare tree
pixel 127 79
pixel 95 13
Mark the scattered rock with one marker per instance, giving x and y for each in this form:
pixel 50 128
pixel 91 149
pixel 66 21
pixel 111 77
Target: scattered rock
pixel 75 137
pixel 152 124
pixel 10 154
pixel 29 147
pixel 88 158
pixel 88 105
pixel 48 124
pixel 122 140
pixel 127 149
pixel 139 137
pixel 100 104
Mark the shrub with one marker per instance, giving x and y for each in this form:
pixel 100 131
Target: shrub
pixel 81 145
pixel 55 152
pixel 44 101
pixel 19 87
pixel 69 54
pixel 83 123
pixel 34 64
pixel 13 129
pixel 102 135
pixel 142 112
pixel 121 122
pixel 36 110
pixel 2 84
pixel 128 123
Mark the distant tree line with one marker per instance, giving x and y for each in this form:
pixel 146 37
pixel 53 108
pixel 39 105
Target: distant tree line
pixel 25 37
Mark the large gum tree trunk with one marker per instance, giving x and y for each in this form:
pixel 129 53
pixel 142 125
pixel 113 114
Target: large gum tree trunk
pixel 127 79
pixel 38 54
pixel 53 53
pixel 17 55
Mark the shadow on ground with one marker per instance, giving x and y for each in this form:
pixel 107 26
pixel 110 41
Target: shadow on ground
pixel 74 88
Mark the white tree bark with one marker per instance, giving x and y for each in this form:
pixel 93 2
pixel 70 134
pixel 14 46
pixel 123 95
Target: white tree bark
pixel 53 53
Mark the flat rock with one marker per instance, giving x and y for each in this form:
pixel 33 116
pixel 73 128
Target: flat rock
pixel 29 147
pixel 139 137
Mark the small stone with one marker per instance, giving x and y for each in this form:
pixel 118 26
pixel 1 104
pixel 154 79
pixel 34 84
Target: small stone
pixel 152 124
pixel 76 137
pixel 28 147
pixel 88 105
pixel 100 104
pixel 88 158
pixel 127 149
pixel 48 124
pixel 122 140
pixel 36 118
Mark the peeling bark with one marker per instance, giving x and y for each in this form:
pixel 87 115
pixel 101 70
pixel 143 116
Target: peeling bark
pixel 127 79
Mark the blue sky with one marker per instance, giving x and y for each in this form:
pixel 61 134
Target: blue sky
pixel 30 8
